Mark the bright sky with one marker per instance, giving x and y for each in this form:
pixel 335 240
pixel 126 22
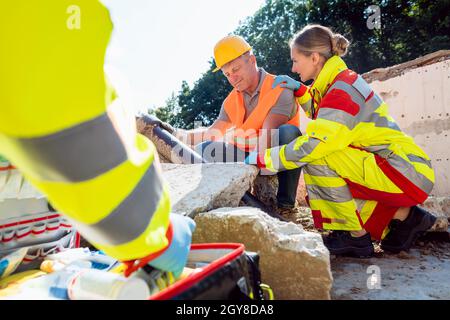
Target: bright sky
pixel 157 44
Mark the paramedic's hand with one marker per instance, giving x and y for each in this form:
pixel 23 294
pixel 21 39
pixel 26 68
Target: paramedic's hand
pixel 286 82
pixel 251 158
pixel 175 257
pixel 256 159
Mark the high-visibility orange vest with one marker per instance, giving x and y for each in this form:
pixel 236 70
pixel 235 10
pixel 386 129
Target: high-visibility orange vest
pixel 246 133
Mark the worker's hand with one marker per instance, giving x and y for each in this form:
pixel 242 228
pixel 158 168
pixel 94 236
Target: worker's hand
pixel 286 82
pixel 256 159
pixel 175 257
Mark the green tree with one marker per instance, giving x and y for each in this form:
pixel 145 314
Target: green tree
pixel 168 111
pixel 408 30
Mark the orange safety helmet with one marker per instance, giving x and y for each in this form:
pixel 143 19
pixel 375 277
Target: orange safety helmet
pixel 228 49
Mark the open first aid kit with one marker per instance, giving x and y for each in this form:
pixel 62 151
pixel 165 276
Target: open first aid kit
pixel 214 271
pixel 40 258
pixel 29 228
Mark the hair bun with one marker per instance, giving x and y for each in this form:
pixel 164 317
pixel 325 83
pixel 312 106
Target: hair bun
pixel 339 45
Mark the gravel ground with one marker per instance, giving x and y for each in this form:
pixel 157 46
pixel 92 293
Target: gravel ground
pixel 423 273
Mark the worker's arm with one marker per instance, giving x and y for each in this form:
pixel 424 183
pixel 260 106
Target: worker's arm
pixel 91 164
pixel 193 137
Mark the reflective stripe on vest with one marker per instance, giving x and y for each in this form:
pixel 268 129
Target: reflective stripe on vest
pixel 247 132
pixel 75 154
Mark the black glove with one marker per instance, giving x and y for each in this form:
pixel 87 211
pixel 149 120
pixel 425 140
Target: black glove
pixel 154 121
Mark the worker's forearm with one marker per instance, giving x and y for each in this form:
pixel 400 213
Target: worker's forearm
pixel 196 136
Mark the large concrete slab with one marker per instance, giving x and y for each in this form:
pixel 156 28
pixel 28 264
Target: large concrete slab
pixel 294 262
pixel 198 188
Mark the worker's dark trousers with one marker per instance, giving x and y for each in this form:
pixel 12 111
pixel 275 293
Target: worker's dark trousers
pixel 217 151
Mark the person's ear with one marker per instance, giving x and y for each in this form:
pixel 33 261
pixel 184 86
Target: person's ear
pixel 315 58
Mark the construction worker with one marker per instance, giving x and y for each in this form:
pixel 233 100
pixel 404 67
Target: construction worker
pixel 259 115
pixel 364 176
pixel 54 127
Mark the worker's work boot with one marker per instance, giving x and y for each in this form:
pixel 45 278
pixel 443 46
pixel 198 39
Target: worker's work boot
pixel 403 234
pixel 343 243
pixel 288 213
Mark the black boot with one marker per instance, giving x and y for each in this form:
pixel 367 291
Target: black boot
pixel 343 243
pixel 403 234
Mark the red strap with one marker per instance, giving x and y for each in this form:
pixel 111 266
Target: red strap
pixel 134 265
pixel 319 220
pixel 260 161
pixel 401 181
pixel 379 220
pixel 10 167
pixel 301 91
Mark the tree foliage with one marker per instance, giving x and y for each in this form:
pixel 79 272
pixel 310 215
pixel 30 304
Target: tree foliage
pixel 409 29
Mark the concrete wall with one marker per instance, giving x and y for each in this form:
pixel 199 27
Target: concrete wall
pixel 419 100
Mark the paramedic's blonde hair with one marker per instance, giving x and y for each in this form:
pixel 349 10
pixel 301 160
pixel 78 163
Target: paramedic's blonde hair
pixel 317 38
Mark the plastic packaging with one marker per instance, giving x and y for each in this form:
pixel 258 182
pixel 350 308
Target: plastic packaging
pixel 47 286
pixel 99 285
pixel 10 262
pixel 98 259
pixel 53 265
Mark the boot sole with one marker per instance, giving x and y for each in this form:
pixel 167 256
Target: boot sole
pixel 354 252
pixel 426 223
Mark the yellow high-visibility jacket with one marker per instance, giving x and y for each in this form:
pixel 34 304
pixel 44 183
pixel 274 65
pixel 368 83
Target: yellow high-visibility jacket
pixel 54 126
pixel 347 112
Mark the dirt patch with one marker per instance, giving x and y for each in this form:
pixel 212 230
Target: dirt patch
pixel 420 274
pixel 423 273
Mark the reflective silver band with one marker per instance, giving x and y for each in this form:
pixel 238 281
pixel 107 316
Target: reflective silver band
pixel 132 217
pixel 75 154
pixel 361 85
pixel 339 116
pixel 334 194
pixel 375 102
pixel 408 170
pixel 383 122
pixel 275 157
pixel 304 150
pixel 376 148
pixel 414 158
pixel 320 171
